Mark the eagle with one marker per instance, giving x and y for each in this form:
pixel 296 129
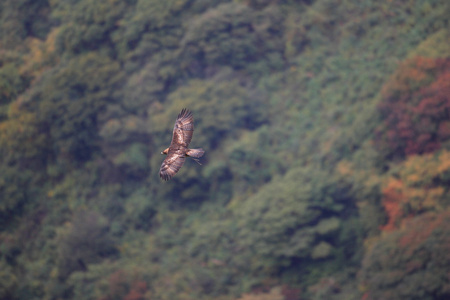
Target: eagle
pixel 178 149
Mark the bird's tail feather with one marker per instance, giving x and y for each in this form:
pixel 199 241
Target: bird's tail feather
pixel 197 153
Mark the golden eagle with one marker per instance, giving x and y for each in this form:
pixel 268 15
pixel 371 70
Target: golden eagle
pixel 178 149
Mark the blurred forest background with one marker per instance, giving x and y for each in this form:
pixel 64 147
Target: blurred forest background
pixel 327 130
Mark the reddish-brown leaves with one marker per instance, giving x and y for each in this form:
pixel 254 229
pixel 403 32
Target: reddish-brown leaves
pixel 419 186
pixel 123 285
pixel 137 291
pixel 416 108
pixel 393 201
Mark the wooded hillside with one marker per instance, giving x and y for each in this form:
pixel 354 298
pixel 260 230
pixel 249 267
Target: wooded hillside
pixel 326 126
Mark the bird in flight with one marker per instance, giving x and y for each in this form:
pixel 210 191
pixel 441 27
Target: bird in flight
pixel 178 149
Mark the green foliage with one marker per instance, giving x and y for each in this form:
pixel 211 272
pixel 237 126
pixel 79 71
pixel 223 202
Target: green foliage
pixel 69 99
pixel 11 84
pixel 21 19
pixel 233 34
pixel 133 161
pixel 151 28
pixel 8 281
pixel 411 263
pixel 321 250
pixel 108 282
pixel 434 46
pixel 140 211
pixel 23 149
pixel 82 242
pixel 13 192
pixel 285 220
pixel 87 25
pixel 248 163
pixel 23 140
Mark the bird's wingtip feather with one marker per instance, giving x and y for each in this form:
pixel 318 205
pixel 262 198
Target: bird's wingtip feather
pixel 185 113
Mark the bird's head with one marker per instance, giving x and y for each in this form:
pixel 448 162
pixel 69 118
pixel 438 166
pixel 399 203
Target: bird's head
pixel 165 151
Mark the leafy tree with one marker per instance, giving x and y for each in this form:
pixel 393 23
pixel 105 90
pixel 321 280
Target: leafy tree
pixel 68 103
pixel 233 35
pixel 8 281
pixel 416 108
pixel 152 30
pixel 420 185
pixel 87 25
pixel 40 56
pixel 364 177
pixel 82 242
pixel 410 263
pixel 11 84
pixel 23 151
pixel 23 18
pixel 283 227
pixel 286 223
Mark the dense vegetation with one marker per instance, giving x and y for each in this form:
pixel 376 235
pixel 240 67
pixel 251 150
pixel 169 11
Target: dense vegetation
pixel 327 130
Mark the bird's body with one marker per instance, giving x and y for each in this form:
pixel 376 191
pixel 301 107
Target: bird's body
pixel 178 149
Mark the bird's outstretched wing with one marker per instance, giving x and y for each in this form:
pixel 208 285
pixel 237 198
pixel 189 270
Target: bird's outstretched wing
pixel 171 165
pixel 183 129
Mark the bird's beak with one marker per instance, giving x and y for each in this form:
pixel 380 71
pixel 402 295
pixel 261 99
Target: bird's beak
pixel 162 153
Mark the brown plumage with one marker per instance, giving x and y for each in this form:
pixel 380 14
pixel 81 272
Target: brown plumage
pixel 178 149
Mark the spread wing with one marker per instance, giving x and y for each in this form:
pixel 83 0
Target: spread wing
pixel 182 135
pixel 183 129
pixel 171 165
